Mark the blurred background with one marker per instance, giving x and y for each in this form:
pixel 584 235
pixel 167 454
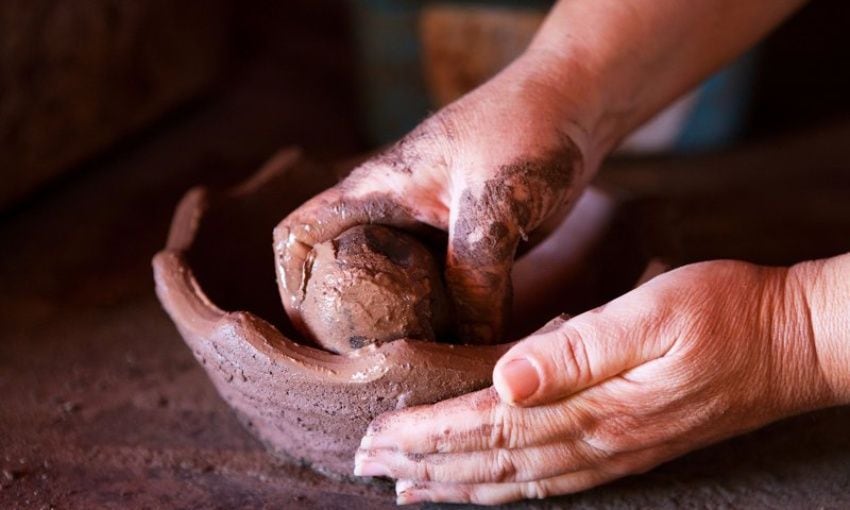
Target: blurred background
pixel 111 109
pixel 80 81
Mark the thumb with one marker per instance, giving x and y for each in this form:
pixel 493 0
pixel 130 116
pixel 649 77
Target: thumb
pixel 478 272
pixel 566 356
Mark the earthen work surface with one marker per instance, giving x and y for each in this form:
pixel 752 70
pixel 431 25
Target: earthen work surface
pixel 103 406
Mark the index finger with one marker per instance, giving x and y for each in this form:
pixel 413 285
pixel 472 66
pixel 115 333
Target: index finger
pixel 475 422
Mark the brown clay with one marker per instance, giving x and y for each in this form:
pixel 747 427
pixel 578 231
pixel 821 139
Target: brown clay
pixel 302 402
pixel 372 284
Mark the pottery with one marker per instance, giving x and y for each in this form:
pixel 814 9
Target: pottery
pixel 303 402
pixel 216 280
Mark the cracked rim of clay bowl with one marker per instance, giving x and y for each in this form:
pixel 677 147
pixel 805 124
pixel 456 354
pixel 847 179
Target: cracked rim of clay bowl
pixel 303 403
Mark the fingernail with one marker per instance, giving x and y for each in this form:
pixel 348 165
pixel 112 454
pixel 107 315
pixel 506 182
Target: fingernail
pixel 410 497
pixel 404 486
pixel 366 468
pixel 408 492
pixel 521 379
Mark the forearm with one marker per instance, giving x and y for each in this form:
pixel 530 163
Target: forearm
pixel 826 284
pixel 620 61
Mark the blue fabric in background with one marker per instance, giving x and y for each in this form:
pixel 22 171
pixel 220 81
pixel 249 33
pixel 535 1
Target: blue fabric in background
pixel 720 114
pixel 394 99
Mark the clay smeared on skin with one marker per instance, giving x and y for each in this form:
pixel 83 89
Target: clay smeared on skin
pixel 373 284
pixel 491 221
pixel 407 153
pixel 553 324
pixel 492 216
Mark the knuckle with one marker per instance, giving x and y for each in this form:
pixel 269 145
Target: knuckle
pixel 485 224
pixel 590 451
pixel 573 361
pixel 488 243
pixel 503 466
pixel 475 495
pixel 504 429
pixel 622 467
pixel 537 489
pixel 613 442
pixel 362 173
pixel 442 441
pixel 617 434
pixel 280 234
pixel 379 424
pixel 422 149
pixel 424 470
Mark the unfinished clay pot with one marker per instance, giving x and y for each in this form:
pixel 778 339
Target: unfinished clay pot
pixel 302 402
pixel 306 403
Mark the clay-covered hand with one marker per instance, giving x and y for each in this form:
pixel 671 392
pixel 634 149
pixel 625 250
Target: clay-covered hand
pixel 694 356
pixel 488 169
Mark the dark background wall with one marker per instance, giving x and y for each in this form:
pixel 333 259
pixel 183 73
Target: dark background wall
pixel 804 73
pixel 77 78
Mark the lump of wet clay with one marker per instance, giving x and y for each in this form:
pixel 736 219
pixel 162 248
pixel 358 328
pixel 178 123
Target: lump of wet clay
pixel 373 284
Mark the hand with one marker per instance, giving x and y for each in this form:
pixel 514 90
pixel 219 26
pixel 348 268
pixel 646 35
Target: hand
pixel 488 169
pixel 694 356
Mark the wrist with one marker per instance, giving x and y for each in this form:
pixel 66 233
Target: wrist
pixel 596 56
pixel 566 88
pixel 635 57
pixel 590 53
pixel 825 286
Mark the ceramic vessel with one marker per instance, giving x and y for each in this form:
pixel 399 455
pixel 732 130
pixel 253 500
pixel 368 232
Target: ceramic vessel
pixel 215 278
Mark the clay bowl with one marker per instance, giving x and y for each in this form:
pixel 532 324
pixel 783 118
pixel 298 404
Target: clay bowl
pixel 303 402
